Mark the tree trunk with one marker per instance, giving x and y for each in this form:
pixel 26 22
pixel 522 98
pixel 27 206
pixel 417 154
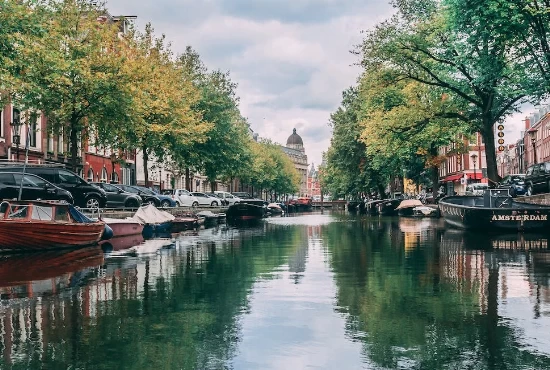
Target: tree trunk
pixel 187 179
pixel 213 186
pixel 74 146
pixel 434 176
pixel 490 151
pixel 145 165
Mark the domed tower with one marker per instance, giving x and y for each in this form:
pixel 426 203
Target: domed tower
pixel 295 141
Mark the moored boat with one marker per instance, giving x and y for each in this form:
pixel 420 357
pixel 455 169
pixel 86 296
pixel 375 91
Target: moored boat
pixel 405 208
pixel 124 226
pixel 496 209
pixel 35 225
pixel 388 207
pixel 250 211
pixel 154 220
pixel 425 211
pixel 371 206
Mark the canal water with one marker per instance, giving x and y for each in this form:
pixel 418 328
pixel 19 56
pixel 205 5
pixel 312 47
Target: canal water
pixel 322 291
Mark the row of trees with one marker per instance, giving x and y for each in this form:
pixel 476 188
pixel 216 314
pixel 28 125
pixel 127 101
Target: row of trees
pixel 70 60
pixel 435 73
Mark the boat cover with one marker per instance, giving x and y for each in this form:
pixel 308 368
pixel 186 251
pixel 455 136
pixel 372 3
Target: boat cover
pixel 409 203
pixel 79 216
pixel 149 214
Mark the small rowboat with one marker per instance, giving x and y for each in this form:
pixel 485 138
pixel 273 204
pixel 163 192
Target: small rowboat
pixel 40 225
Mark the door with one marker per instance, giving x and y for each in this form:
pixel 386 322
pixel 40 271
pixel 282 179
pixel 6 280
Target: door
pixel 34 187
pixel 185 197
pixel 114 197
pixel 8 190
pixel 71 182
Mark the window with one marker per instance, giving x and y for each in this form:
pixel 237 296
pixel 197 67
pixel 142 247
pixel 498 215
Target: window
pixel 1 123
pixel 114 178
pixel 33 131
pixel 42 213
pixel 30 181
pixel 68 177
pixel 110 188
pixel 50 143
pixel 90 174
pixel 7 179
pixel 60 144
pixel 103 174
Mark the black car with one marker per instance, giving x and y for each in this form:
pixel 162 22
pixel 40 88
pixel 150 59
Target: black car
pixel 148 197
pixel 165 200
pixel 537 178
pixel 116 197
pixel 515 183
pixel 242 195
pixel 32 188
pixel 84 194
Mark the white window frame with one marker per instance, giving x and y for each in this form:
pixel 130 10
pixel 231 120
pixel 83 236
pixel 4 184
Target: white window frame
pixel 104 175
pixel 90 172
pixel 2 125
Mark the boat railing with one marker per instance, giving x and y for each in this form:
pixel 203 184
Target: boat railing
pixel 497 198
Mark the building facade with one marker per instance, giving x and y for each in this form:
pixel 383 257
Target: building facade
pixel 462 163
pixel 295 150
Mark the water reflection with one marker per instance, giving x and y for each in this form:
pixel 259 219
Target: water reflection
pixel 326 291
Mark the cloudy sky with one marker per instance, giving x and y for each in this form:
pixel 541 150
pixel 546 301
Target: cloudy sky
pixel 290 57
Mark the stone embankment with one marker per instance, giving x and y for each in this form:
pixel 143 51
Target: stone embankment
pixel 123 213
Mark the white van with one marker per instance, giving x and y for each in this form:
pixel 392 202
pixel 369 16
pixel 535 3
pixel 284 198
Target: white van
pixel 476 189
pixel 228 197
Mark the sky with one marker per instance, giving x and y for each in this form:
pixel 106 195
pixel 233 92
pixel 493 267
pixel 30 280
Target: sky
pixel 290 58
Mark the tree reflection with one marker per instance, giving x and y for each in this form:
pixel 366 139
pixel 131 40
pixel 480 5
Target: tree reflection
pixel 430 304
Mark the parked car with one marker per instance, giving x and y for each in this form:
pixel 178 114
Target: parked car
pixel 537 178
pixel 515 184
pixel 148 197
pixel 206 200
pixel 117 197
pixel 33 188
pixel 476 188
pixel 183 197
pixel 84 194
pixel 165 200
pixel 222 201
pixel 228 197
pixel 242 195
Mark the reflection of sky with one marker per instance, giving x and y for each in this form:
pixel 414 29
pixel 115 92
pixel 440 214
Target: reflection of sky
pixel 517 306
pixel 295 326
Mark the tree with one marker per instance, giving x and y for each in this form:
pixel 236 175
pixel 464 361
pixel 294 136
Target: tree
pixel 75 70
pixel 405 122
pixel 161 120
pixel 423 43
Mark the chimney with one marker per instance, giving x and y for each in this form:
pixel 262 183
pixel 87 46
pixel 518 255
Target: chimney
pixel 527 123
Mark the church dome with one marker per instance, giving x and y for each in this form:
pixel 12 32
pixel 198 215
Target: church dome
pixel 294 139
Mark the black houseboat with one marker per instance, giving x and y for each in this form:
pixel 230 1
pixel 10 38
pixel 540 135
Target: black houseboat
pixel 496 209
pixel 246 210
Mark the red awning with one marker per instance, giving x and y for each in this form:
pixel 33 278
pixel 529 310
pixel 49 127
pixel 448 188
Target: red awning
pixel 478 176
pixel 453 177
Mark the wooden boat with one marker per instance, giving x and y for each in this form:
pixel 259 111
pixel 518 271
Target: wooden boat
pixel 425 211
pixel 124 226
pixel 182 223
pixel 35 225
pixel 249 211
pixel 496 209
pixel 274 209
pixel 405 208
pixel 388 207
pixel 371 206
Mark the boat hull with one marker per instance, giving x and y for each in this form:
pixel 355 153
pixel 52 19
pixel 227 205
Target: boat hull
pixel 245 212
pixel 124 228
pixel 518 218
pixel 48 235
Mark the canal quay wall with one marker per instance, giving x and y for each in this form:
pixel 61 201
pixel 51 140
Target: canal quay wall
pixel 536 199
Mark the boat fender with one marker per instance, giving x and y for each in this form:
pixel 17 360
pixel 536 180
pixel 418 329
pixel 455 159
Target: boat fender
pixel 107 233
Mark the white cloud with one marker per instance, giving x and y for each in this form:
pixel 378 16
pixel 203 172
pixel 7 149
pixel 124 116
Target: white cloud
pixel 291 59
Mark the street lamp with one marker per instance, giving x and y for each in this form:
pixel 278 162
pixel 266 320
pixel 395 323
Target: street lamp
pixel 16 130
pixel 533 136
pixel 474 159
